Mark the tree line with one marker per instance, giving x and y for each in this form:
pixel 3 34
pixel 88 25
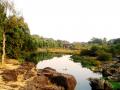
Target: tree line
pixel 17 42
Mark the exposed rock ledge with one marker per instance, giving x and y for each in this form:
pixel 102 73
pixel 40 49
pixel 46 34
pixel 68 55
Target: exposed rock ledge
pixel 26 77
pixel 99 84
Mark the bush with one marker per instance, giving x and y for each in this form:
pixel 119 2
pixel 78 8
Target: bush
pixel 86 61
pixel 92 52
pixel 104 56
pixel 85 52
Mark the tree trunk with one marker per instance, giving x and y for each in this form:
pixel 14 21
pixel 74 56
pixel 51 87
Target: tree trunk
pixel 3 48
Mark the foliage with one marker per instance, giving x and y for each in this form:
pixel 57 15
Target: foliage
pixel 38 56
pixel 104 56
pixel 98 41
pixel 115 49
pixel 86 61
pixel 90 52
pixel 0 43
pixel 49 42
pixel 115 85
pixel 18 38
pixel 20 43
pixel 76 46
pixel 114 41
pixel 102 53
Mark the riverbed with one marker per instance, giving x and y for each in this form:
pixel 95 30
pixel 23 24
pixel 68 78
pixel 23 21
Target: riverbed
pixel 65 64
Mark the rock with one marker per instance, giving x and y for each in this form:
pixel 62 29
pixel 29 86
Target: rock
pixel 47 71
pixel 26 66
pixel 112 71
pixel 108 72
pixel 63 80
pixel 99 84
pixel 9 75
pixel 96 69
pixel 42 79
pixel 29 74
pixel 115 78
pixel 26 69
pixel 66 81
pixel 40 83
pixel 36 83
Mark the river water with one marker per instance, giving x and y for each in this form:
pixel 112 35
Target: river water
pixel 64 64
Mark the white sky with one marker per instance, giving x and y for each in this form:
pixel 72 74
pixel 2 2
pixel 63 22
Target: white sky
pixel 72 20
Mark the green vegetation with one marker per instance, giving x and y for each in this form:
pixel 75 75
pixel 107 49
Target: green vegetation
pixel 115 85
pixel 93 56
pixel 104 57
pixel 98 52
pixel 16 41
pixel 86 61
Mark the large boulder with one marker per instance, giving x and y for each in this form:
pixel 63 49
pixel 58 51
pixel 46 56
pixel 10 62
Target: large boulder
pixel 40 83
pixel 50 79
pixel 60 79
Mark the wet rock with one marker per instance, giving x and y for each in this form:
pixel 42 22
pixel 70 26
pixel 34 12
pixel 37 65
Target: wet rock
pixel 99 84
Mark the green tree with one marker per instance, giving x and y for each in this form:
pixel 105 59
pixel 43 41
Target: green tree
pixel 76 45
pixel 95 41
pixel 18 39
pixel 6 9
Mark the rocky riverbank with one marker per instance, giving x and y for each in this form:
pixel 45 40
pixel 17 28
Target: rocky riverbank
pixel 27 77
pixel 99 84
pixel 111 73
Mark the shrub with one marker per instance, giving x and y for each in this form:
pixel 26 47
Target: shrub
pixel 92 52
pixel 85 52
pixel 104 56
pixel 86 61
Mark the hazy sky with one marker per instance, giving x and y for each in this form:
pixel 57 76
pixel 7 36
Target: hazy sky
pixel 72 20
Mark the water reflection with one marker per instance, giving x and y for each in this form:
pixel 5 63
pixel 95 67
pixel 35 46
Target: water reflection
pixel 65 65
pixel 39 56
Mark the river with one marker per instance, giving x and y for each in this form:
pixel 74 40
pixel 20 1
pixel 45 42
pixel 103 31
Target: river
pixel 64 64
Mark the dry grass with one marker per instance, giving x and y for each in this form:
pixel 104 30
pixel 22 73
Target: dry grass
pixel 59 50
pixel 9 65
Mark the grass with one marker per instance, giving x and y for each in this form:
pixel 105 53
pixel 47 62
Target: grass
pixel 59 50
pixel 86 61
pixel 115 85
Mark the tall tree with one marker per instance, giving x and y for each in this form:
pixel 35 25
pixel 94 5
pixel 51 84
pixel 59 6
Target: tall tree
pixel 6 9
